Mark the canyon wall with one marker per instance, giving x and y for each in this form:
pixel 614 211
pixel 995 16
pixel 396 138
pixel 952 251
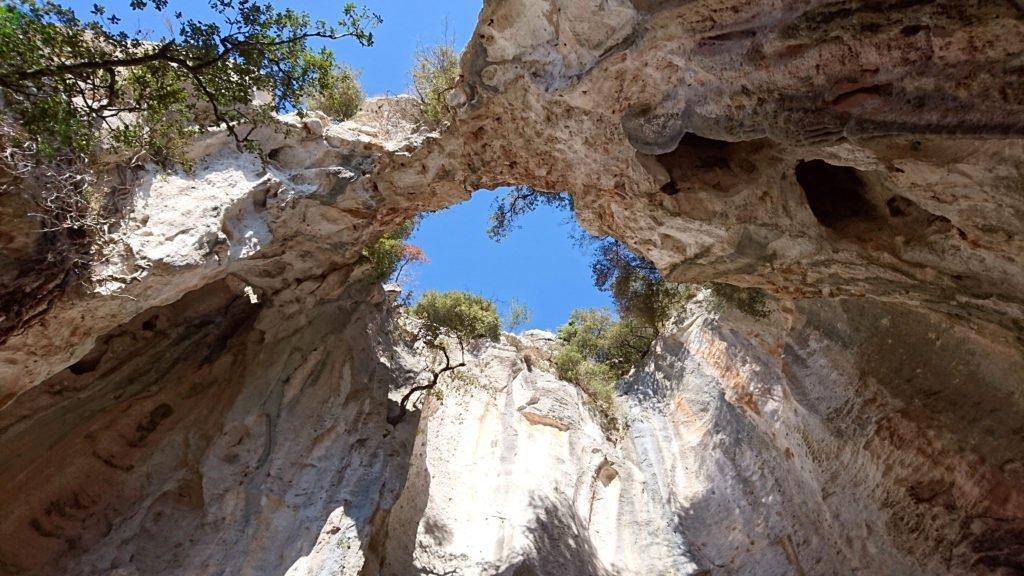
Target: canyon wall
pixel 208 394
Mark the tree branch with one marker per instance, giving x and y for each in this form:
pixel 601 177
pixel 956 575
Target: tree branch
pixel 435 378
pixel 164 54
pixel 161 54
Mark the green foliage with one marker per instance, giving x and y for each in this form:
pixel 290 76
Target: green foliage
pixel 466 316
pixel 337 93
pixel 387 253
pixel 434 75
pixel 751 301
pixel 639 291
pixel 618 344
pixel 517 202
pixel 626 343
pixel 457 314
pixel 586 330
pixel 597 380
pixel 517 315
pixel 567 363
pixel 461 382
pixel 69 82
pixel 596 352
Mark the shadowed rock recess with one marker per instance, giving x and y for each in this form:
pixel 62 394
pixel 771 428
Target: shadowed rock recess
pixel 210 396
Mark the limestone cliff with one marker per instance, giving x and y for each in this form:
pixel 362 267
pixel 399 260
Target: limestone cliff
pixel 208 394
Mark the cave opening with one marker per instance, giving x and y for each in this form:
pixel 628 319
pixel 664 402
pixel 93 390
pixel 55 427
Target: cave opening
pixel 517 270
pixel 835 194
pixel 542 259
pixel 717 165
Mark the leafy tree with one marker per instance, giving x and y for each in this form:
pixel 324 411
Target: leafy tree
pixel 636 286
pixel 337 93
pixel 596 335
pixel 597 350
pixel 462 314
pixel 627 342
pixel 447 316
pixel 567 362
pixel 390 252
pixel 434 75
pixel 586 331
pixel 63 78
pixel 597 381
pixel 517 315
pixel 411 254
pixel 517 202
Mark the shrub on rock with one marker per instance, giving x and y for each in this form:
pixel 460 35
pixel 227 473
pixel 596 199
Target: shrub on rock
pixel 337 93
pixel 434 74
pixel 467 316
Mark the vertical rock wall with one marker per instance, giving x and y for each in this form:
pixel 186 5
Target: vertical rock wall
pixel 828 438
pixel 843 442
pixel 203 438
pixel 210 397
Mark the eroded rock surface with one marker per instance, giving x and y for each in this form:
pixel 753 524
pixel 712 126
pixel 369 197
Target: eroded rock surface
pixel 210 396
pixel 830 149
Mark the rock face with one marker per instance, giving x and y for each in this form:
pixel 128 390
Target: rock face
pixel 833 438
pixel 847 148
pixel 208 395
pixel 512 474
pixel 216 392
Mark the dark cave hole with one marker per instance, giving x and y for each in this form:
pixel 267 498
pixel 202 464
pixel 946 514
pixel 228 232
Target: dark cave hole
pixel 834 193
pixel 707 152
pixel 90 362
pixel 716 164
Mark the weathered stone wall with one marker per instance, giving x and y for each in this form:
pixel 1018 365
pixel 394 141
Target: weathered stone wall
pixel 213 435
pixel 843 148
pixel 828 438
pixel 838 436
pixel 210 396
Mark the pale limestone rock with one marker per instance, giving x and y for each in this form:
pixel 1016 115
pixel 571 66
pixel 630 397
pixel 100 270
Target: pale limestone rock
pixel 862 162
pixel 494 488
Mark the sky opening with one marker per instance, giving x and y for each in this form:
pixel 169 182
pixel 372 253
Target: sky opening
pixel 538 264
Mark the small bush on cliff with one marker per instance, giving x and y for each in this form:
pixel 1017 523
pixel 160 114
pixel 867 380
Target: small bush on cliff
pixel 448 318
pixel 517 315
pixel 391 254
pixel 434 74
pixel 337 93
pixel 597 350
pixel 597 336
pixel 464 315
pixel 597 381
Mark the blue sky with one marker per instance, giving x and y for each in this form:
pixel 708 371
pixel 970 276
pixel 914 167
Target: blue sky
pixel 538 264
pixel 385 66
